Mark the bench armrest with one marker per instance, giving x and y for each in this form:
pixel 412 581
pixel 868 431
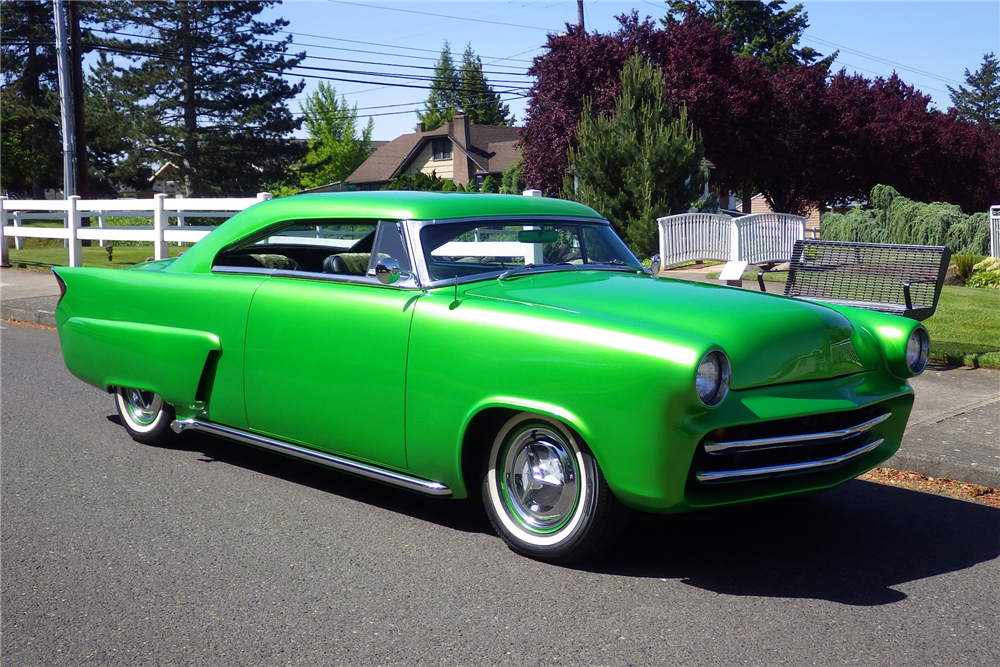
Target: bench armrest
pixel 760 278
pixel 906 290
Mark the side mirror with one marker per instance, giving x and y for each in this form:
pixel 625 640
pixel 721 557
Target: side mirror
pixel 388 272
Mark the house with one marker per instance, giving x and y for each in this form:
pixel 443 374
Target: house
pixel 165 179
pixel 759 205
pixel 458 151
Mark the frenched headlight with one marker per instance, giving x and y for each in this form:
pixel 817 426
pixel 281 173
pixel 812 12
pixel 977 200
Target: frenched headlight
pixel 712 379
pixel 918 350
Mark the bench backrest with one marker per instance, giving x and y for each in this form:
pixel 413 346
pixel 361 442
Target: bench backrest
pixel 867 272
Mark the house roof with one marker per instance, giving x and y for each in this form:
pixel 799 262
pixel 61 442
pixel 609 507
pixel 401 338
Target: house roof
pixel 491 147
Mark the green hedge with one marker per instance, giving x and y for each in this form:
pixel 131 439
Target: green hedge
pixel 892 218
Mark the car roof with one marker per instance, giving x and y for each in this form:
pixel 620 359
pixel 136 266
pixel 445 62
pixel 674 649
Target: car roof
pixel 408 205
pixel 376 205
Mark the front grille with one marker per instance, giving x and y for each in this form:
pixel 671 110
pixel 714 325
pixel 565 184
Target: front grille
pixel 786 446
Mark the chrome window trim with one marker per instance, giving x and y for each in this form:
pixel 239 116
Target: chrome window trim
pixel 413 227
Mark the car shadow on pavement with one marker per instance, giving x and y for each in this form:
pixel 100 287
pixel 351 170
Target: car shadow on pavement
pixel 852 545
pixel 462 515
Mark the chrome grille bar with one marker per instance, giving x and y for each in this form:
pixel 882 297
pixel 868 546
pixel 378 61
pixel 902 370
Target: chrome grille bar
pixel 759 444
pixel 768 471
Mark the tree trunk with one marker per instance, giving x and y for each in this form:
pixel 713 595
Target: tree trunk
pixel 190 103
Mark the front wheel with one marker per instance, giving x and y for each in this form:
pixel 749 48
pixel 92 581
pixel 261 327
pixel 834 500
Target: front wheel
pixel 144 415
pixel 546 495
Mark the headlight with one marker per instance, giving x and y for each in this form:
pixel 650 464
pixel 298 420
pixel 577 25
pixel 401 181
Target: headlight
pixel 918 350
pixel 712 379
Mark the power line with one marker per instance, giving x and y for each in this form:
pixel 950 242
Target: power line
pixel 292 70
pixel 445 16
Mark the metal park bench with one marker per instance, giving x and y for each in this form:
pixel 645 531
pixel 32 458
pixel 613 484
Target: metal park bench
pixel 899 279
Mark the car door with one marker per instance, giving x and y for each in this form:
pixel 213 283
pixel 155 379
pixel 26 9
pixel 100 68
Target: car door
pixel 325 361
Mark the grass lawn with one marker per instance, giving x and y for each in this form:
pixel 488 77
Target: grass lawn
pixel 965 328
pixel 43 254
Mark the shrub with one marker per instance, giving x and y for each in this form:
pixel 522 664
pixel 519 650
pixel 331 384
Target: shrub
pixel 986 274
pixel 964 263
pixel 892 218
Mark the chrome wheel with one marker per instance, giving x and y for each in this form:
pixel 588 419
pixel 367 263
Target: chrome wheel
pixel 142 407
pixel 144 415
pixel 540 484
pixel 544 493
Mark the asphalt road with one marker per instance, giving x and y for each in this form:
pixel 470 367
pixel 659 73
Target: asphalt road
pixel 211 554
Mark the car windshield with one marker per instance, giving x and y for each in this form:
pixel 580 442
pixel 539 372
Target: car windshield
pixel 514 247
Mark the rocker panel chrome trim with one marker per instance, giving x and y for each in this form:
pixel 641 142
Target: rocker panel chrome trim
pixel 751 473
pixel 791 440
pixel 367 470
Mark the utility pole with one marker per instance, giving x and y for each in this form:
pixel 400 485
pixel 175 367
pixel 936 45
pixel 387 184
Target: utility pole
pixel 80 133
pixel 579 13
pixel 65 100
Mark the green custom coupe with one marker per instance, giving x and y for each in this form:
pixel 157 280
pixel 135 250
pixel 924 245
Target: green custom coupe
pixel 498 345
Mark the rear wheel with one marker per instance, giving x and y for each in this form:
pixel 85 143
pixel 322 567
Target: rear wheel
pixel 144 415
pixel 545 494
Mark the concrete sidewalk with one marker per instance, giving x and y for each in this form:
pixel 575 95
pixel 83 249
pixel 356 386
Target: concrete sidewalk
pixel 954 429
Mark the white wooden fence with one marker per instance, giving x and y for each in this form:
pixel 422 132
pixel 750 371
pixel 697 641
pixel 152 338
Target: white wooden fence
pixel 71 211
pixel 757 239
pixel 995 231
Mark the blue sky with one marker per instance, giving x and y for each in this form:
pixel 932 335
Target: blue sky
pixel 929 44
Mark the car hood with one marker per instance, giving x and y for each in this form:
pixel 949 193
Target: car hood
pixel 769 339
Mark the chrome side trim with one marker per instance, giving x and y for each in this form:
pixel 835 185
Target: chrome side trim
pixel 768 471
pixel 791 440
pixel 367 470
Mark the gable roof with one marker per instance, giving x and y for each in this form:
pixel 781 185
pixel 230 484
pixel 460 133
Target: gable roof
pixel 491 147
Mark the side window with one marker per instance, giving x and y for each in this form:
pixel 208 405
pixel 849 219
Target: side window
pixel 389 243
pixel 334 247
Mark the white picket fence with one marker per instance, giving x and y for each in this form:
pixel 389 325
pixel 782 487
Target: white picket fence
pixel 757 239
pixel 72 211
pixel 995 231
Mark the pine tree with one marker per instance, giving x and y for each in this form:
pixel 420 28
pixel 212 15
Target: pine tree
pixel 477 98
pixel 639 162
pixel 762 30
pixel 31 151
pixel 335 149
pixel 980 102
pixel 205 91
pixel 443 101
pixel 465 89
pixel 112 161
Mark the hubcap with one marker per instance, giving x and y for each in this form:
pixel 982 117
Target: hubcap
pixel 143 406
pixel 540 483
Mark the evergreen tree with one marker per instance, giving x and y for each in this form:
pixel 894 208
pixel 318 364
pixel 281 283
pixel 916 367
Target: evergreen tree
pixel 31 151
pixel 489 185
pixel 639 162
pixel 108 128
pixel 443 101
pixel 762 30
pixel 335 149
pixel 481 103
pixel 205 91
pixel 980 102
pixel 510 180
pixel 465 89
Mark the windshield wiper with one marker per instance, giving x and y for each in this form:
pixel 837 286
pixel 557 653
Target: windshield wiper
pixel 618 265
pixel 531 268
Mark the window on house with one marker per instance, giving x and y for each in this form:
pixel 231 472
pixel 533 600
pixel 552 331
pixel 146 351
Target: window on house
pixel 441 148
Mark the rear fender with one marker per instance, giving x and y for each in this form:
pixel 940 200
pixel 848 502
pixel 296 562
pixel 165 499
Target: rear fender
pixel 166 360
